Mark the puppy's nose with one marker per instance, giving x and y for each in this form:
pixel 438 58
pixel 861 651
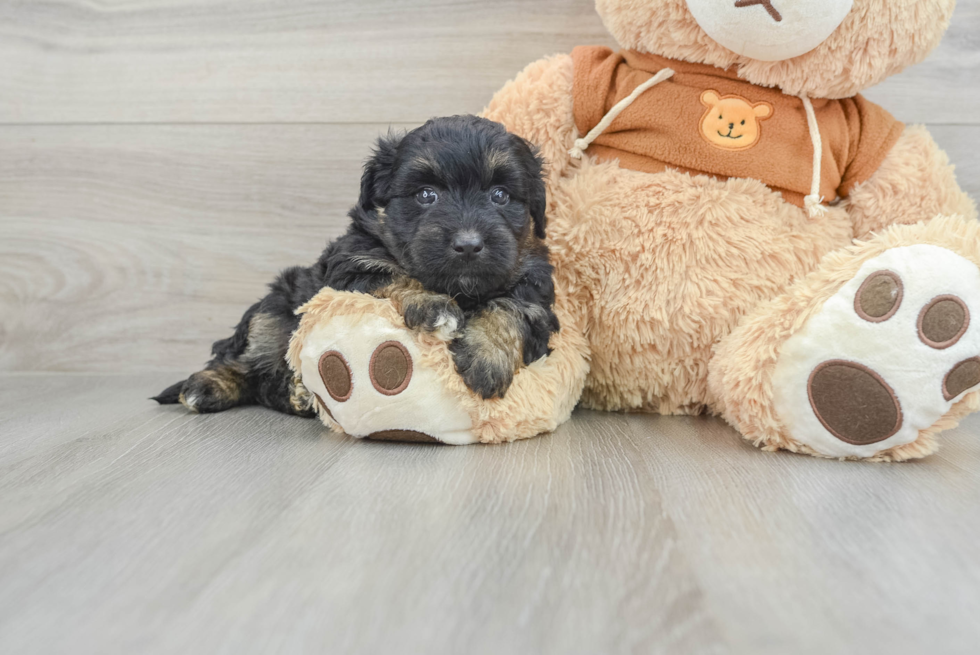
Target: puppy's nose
pixel 468 243
pixel 731 126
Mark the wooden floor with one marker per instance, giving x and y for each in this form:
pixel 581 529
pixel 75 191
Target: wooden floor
pixel 160 161
pixel 132 529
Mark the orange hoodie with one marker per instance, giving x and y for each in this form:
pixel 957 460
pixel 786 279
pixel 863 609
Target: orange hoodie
pixel 706 120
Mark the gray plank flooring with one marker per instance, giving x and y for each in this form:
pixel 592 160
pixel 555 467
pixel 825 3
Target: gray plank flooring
pixel 129 528
pixel 153 531
pixel 160 161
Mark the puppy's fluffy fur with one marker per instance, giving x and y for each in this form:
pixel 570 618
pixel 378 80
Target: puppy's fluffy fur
pixel 449 225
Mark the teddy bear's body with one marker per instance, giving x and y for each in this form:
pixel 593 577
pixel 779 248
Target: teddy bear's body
pixel 689 287
pixel 662 265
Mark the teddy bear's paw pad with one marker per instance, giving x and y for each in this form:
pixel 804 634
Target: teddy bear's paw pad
pixel 408 436
pixel 962 377
pixel 853 402
pixel 943 321
pixel 879 297
pixel 885 357
pixel 336 376
pixel 367 378
pixel 390 368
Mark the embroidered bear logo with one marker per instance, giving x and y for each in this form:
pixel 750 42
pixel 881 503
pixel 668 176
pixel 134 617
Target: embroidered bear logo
pixel 732 122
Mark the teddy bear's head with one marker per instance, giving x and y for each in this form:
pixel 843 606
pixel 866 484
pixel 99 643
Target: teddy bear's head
pixel 821 48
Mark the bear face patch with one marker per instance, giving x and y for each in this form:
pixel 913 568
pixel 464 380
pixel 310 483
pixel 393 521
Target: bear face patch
pixel 731 122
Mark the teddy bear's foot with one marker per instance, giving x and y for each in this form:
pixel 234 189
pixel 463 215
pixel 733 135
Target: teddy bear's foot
pixel 885 357
pixel 375 378
pixel 367 377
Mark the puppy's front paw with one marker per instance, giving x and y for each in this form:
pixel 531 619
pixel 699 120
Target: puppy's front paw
pixel 432 312
pixel 488 352
pixel 488 371
pixel 424 310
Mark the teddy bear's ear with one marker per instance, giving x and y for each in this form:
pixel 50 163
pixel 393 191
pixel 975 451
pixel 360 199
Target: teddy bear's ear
pixel 376 179
pixel 710 98
pixel 762 110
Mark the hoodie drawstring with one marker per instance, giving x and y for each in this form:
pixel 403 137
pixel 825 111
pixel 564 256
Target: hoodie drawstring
pixel 583 143
pixel 814 201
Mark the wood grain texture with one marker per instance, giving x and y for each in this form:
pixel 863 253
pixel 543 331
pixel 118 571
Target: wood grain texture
pixel 799 555
pixel 273 61
pixel 130 528
pixel 946 86
pixel 75 61
pixel 125 527
pixel 133 248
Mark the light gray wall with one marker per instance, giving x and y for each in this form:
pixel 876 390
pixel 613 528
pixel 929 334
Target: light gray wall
pixel 161 161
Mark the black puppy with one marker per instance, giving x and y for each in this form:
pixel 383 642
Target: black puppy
pixel 449 225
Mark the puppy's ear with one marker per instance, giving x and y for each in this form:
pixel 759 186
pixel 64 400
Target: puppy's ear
pixel 537 198
pixel 376 179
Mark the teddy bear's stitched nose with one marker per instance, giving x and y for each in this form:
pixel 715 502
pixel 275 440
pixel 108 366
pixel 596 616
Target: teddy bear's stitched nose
pixel 776 16
pixel 731 126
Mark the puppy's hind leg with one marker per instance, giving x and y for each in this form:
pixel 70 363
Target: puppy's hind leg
pixel 270 379
pixel 223 383
pixel 219 387
pixel 170 395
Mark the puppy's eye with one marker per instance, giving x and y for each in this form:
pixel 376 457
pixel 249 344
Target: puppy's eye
pixel 426 196
pixel 499 196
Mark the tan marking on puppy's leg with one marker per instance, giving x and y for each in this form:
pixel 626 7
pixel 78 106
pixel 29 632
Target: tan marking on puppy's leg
pixel 498 328
pixel 300 399
pixel 489 351
pixel 265 338
pixel 190 405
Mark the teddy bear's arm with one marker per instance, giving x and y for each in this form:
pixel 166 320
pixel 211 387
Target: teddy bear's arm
pixel 537 105
pixel 915 182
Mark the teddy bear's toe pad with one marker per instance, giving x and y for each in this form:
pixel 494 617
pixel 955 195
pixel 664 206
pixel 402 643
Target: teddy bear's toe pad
pixel 366 374
pixel 943 321
pixel 879 297
pixel 885 357
pixel 390 368
pixel 336 375
pixel 853 402
pixel 961 377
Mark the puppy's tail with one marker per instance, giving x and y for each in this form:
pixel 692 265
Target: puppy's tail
pixel 170 395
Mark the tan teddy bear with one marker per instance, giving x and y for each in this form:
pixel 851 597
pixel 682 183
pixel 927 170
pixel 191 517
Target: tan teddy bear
pixel 809 274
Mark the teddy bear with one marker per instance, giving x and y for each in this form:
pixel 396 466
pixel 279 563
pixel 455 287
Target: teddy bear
pixel 734 230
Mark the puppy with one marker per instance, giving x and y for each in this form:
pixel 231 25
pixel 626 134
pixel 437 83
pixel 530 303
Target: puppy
pixel 449 225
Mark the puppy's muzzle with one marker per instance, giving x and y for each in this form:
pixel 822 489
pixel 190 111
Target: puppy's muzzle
pixel 467 244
